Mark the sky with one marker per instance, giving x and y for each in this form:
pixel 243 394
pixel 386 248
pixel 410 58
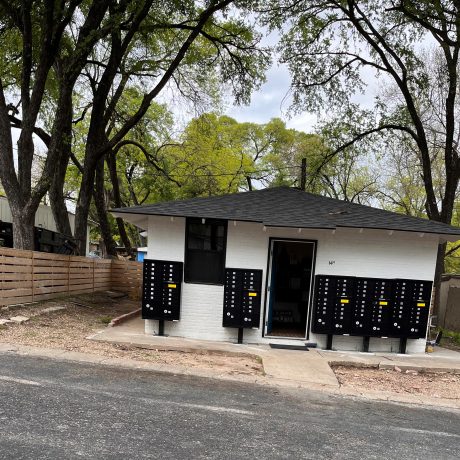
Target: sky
pixel 273 100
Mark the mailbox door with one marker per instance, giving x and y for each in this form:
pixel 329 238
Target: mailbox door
pixel 362 307
pixel 343 304
pixel 412 305
pixel 324 303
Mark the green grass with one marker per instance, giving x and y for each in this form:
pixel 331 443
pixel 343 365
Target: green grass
pixel 105 319
pixel 454 336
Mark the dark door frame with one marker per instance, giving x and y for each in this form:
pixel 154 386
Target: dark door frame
pixel 268 272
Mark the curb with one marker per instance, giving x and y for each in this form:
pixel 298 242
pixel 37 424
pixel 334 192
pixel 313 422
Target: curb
pixel 121 319
pixel 197 351
pixel 391 366
pixel 421 369
pixel 355 364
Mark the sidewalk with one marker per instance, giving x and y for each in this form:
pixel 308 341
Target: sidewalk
pixel 285 364
pixel 286 367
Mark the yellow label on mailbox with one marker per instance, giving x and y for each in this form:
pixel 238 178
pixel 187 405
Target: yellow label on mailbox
pixel 383 303
pixel 252 294
pixel 421 304
pixel 172 286
pixel 344 301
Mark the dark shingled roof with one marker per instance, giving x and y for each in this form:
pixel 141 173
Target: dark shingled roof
pixel 288 207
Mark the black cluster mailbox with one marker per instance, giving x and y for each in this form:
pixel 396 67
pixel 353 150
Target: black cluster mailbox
pixel 242 293
pixel 372 310
pixel 162 282
pixel 371 307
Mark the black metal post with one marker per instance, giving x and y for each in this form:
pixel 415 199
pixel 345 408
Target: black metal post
pixel 329 342
pixel 402 345
pixel 161 327
pixel 366 344
pixel 240 335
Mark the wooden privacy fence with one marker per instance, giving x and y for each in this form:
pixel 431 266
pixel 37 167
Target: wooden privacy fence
pixel 29 276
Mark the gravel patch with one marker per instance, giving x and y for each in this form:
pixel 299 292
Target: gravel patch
pixel 82 316
pixel 435 385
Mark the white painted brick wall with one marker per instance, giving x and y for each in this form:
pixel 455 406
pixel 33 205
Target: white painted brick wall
pixel 372 253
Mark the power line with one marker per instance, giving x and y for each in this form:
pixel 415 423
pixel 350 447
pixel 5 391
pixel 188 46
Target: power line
pixel 259 171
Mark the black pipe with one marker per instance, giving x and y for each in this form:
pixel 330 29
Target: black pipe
pixel 329 342
pixel 161 327
pixel 402 345
pixel 366 344
pixel 240 335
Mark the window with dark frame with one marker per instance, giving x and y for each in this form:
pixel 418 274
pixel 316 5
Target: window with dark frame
pixel 205 248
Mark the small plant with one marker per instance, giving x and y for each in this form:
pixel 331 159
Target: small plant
pixel 105 319
pixel 454 336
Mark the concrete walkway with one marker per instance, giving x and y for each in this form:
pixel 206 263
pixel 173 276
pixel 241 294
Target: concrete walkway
pixel 289 367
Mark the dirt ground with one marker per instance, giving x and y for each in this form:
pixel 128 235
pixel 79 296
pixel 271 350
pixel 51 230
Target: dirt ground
pixel 86 314
pixel 439 385
pixel 448 342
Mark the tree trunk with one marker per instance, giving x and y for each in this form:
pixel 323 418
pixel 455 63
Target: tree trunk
pixel 112 165
pixel 100 202
pixel 23 229
pixel 82 209
pixel 63 145
pixel 57 200
pixel 437 276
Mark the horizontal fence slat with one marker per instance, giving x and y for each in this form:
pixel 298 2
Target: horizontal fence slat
pixel 50 290
pixel 15 276
pixel 51 270
pixel 54 276
pixel 16 268
pixel 16 253
pixel 5 260
pixel 50 263
pixel 14 284
pixel 15 300
pixel 17 292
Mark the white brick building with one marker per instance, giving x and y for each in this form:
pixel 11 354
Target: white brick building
pixel 290 240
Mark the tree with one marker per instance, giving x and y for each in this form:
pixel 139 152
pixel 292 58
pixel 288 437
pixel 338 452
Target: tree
pixel 332 47
pixel 40 58
pixel 180 43
pixel 216 154
pixel 331 44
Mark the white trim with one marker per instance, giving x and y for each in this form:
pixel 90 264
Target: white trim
pixel 268 287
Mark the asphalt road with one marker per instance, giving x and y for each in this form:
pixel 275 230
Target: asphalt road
pixel 59 410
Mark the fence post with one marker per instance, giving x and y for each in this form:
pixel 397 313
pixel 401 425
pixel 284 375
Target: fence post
pixel 68 274
pixel 33 276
